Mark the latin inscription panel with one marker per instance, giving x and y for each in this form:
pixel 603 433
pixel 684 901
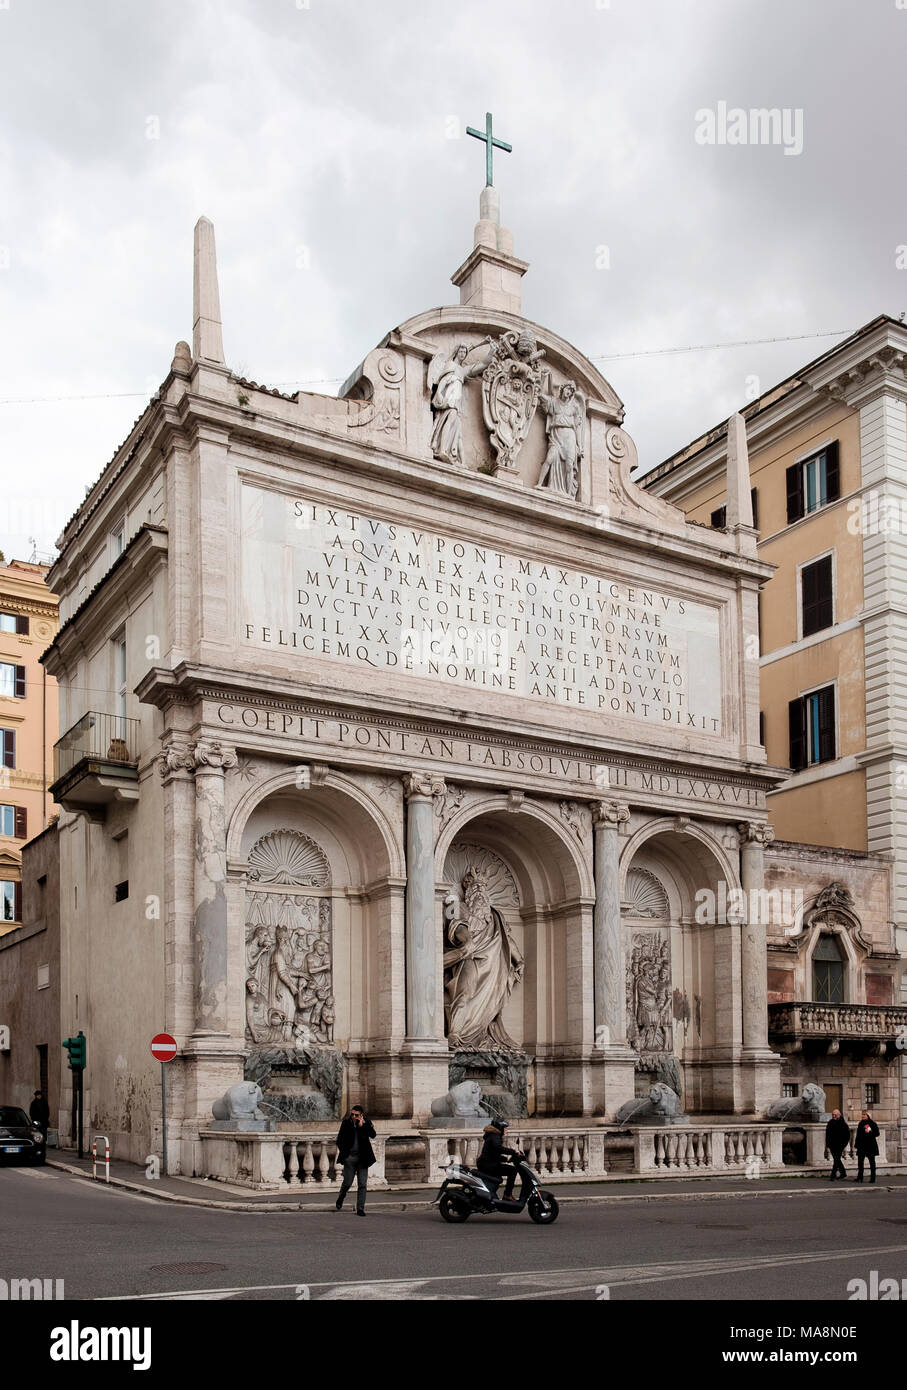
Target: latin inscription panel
pixel 404 601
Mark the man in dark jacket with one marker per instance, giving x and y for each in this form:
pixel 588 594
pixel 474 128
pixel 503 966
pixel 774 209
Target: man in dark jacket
pixel 355 1153
pixel 39 1111
pixel 491 1160
pixel 866 1145
pixel 837 1137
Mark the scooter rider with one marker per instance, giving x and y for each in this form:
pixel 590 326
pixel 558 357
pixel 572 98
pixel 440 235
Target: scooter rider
pixel 490 1163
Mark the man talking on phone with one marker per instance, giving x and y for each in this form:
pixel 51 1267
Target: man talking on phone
pixel 356 1154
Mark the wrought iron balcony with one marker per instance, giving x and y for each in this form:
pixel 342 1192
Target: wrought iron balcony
pixel 801 1022
pixel 96 762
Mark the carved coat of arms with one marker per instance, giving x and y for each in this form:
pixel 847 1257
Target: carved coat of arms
pixel 511 383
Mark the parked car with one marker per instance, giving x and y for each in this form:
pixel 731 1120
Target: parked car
pixel 21 1140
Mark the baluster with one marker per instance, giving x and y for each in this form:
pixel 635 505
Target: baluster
pixel 569 1154
pixel 308 1163
pixel 293 1162
pixel 323 1160
pixel 530 1151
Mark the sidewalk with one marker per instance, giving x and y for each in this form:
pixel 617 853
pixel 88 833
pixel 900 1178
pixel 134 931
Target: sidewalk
pixel 205 1192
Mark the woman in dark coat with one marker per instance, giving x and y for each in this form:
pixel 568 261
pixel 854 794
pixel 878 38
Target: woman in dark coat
pixel 866 1145
pixel 837 1137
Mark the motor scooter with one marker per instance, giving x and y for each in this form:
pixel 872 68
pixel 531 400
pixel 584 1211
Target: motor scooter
pixel 466 1192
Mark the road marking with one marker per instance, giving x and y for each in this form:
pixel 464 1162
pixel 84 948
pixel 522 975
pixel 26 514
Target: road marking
pixel 613 1276
pixel 37 1173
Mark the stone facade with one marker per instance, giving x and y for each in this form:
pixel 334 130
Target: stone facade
pixel 436 725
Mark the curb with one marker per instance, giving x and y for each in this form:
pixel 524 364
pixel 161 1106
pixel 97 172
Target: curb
pixel 423 1204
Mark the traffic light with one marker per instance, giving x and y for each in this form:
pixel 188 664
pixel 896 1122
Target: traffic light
pixel 77 1049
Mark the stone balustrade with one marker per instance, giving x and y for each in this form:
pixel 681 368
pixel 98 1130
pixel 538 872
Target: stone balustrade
pixel 565 1155
pixel 292 1160
pixel 709 1148
pixel 878 1022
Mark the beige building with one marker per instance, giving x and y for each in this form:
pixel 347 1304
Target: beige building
pixel 28 722
pixel 828 463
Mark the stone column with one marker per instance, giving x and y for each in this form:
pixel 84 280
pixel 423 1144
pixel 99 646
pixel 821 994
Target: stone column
pixel 754 836
pixel 210 759
pixel 422 1021
pixel 610 1011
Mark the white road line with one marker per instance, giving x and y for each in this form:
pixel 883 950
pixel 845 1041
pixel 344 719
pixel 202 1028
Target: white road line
pixel 38 1173
pixel 613 1276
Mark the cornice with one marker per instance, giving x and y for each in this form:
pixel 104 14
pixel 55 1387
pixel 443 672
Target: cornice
pixel 144 554
pixel 187 684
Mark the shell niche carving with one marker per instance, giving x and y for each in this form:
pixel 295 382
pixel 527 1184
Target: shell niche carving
pixel 288 856
pixel 645 896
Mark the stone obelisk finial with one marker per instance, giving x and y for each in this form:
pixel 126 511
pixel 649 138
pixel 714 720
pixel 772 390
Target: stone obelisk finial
pixel 739 514
pixel 207 334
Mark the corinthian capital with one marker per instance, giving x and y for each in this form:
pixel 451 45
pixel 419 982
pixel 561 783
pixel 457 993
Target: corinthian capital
pixel 209 752
pixel 756 832
pixel 612 814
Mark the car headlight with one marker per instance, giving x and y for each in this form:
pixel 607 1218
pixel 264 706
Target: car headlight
pixel 37 1135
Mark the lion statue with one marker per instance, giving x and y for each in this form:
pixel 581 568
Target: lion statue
pixel 660 1107
pixel 461 1101
pixel 241 1102
pixel 809 1105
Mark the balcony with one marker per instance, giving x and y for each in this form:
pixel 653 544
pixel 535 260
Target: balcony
pixel 880 1028
pixel 96 763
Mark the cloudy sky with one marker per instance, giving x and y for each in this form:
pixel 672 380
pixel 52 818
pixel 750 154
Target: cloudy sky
pixel 325 140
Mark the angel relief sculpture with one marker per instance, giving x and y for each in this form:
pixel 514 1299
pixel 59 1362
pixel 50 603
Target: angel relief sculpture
pixel 565 422
pixel 480 971
pixel 447 376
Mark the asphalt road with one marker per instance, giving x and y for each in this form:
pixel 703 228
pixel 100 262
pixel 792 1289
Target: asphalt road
pixel 110 1244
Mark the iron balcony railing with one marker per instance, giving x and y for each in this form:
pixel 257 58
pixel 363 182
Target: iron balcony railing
pixel 812 1020
pixel 105 738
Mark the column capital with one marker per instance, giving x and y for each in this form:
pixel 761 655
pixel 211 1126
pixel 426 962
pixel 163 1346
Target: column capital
pixel 755 832
pixel 211 755
pixel 610 814
pixel 427 784
pixel 174 760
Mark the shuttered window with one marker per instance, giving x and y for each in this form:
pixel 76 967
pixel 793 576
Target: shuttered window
pixel 817 596
pixel 812 728
pixel 813 482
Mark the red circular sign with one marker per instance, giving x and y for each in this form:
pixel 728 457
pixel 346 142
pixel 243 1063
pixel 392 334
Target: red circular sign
pixel 163 1047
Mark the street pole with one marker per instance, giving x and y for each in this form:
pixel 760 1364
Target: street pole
pixel 164 1119
pixel 80 1074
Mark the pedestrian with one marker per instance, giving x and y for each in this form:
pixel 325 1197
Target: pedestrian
pixel 490 1162
pixel 356 1154
pixel 866 1145
pixel 39 1111
pixel 837 1137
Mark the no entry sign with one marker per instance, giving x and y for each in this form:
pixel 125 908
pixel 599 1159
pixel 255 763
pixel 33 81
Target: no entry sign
pixel 163 1047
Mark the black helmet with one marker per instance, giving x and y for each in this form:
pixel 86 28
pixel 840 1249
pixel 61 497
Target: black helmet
pixel 501 1124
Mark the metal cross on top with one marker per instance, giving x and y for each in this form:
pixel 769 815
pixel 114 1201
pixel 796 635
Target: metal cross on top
pixel 491 142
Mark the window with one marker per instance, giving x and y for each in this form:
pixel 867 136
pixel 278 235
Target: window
pixel 119 680
pixel 828 970
pixel 812 728
pixel 813 482
pixel 13 821
pixel 12 679
pixel 789 1090
pixel 121 891
pixel 870 1093
pixel 762 727
pixel 14 622
pixel 118 540
pixel 817 602
pixel 7 748
pixel 10 901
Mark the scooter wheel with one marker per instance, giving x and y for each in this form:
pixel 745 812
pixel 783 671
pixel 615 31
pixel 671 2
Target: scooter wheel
pixel 453 1208
pixel 543 1208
